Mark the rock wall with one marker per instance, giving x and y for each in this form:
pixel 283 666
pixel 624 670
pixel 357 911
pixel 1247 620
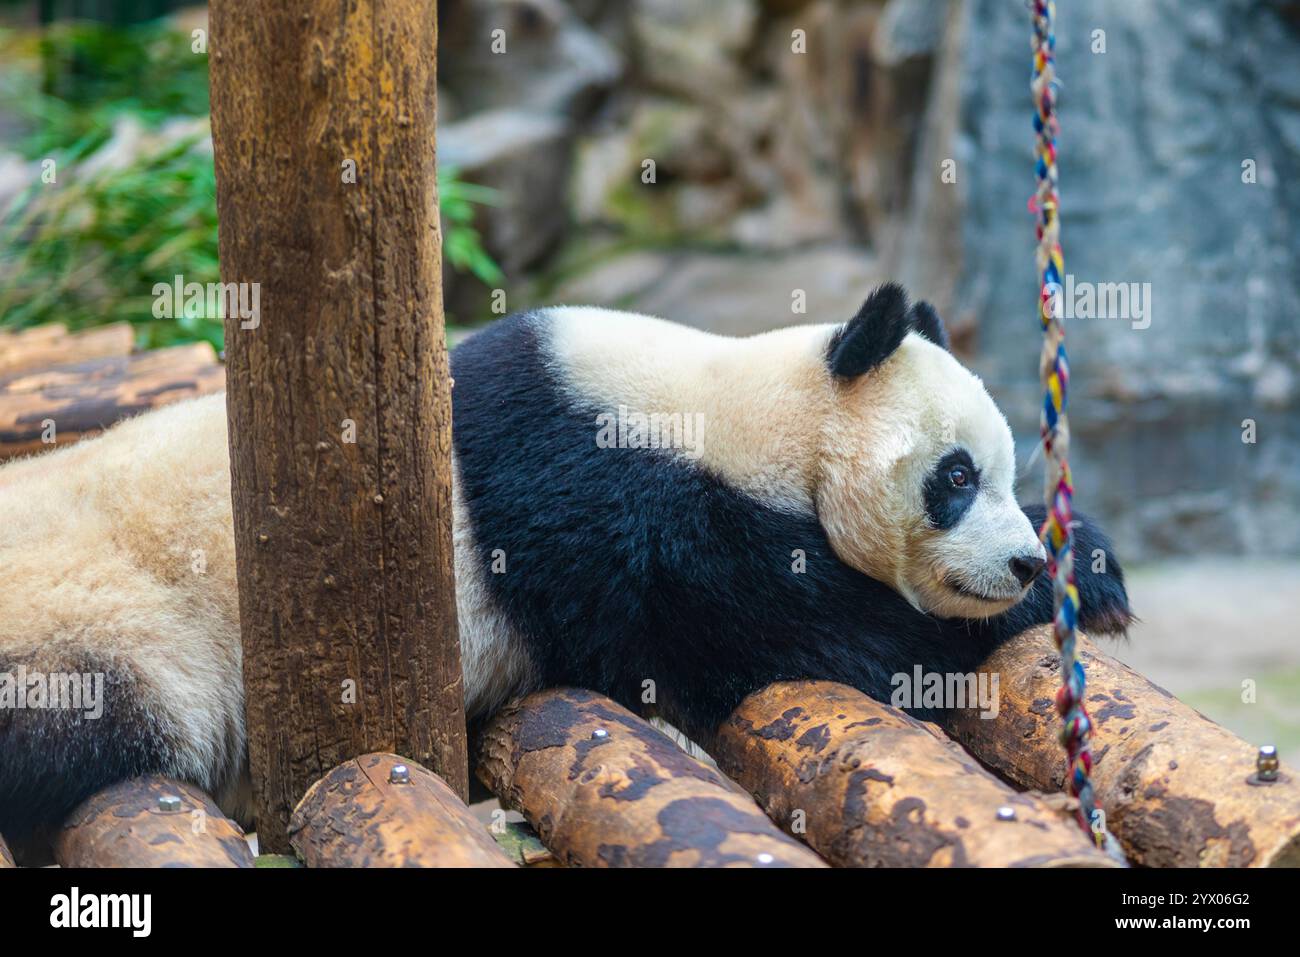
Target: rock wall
pixel 1180 168
pixel 802 145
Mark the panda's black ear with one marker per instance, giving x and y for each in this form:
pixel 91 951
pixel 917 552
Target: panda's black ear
pixel 927 322
pixel 870 337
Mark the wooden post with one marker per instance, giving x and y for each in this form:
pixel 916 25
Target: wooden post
pixel 1177 789
pixel 368 813
pixel 867 786
pixel 150 822
pixel 339 410
pixel 605 789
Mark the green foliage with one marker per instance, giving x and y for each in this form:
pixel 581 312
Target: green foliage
pixel 89 248
pixel 71 80
pixel 88 251
pixel 462 244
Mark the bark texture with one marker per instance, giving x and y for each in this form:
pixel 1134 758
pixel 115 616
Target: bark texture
pixel 1177 789
pixel 82 398
pixel 357 816
pixel 867 786
pixel 339 411
pixel 126 826
pixel 627 797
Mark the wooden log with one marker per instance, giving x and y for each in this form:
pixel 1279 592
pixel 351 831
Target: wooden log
pixel 1177 790
pixel 68 402
pixel 6 858
pixel 605 789
pixel 362 815
pixel 339 397
pixel 151 821
pixel 47 346
pixel 17 338
pixel 865 785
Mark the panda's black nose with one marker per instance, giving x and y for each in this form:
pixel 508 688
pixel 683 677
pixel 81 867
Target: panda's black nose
pixel 1026 569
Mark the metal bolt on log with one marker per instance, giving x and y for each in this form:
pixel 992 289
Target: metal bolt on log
pixel 1266 765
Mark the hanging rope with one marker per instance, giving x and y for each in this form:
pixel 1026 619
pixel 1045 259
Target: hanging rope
pixel 1054 369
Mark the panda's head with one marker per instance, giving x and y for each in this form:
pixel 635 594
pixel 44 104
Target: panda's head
pixel 917 467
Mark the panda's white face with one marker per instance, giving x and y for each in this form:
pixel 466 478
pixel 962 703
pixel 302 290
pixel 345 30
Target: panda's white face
pixel 916 490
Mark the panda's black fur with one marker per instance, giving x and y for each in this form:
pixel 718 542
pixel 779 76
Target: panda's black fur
pixel 633 565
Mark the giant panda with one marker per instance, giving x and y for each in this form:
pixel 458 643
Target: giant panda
pixel 830 501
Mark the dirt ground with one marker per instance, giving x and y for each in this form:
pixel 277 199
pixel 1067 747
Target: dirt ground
pixel 1208 627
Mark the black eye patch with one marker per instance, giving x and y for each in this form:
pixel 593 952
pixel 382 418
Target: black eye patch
pixel 950 489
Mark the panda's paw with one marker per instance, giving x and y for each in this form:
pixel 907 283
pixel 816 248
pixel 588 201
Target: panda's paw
pixel 1103 598
pixel 1105 607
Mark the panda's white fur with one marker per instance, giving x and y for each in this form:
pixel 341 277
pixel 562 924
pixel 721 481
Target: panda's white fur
pixel 118 553
pixel 493 657
pixel 779 426
pixel 98 543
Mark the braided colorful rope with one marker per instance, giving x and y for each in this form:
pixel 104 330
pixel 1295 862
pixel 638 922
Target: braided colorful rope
pixel 1055 371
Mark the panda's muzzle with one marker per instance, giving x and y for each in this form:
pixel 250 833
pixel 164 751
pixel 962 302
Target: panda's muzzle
pixel 955 584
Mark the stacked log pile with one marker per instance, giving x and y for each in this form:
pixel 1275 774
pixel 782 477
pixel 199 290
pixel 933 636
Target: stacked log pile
pixel 860 784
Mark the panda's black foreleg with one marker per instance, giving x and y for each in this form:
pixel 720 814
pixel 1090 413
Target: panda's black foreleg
pixel 1103 599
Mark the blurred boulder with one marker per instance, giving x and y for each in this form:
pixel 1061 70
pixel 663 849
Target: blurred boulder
pixel 696 188
pixel 525 157
pixel 691 48
pixel 730 294
pixel 908 29
pixel 549 59
pixel 517 78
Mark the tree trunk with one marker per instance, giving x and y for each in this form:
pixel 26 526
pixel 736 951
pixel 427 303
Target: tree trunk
pixel 339 412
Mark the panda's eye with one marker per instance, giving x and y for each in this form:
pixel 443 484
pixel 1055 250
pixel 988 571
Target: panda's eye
pixel 959 476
